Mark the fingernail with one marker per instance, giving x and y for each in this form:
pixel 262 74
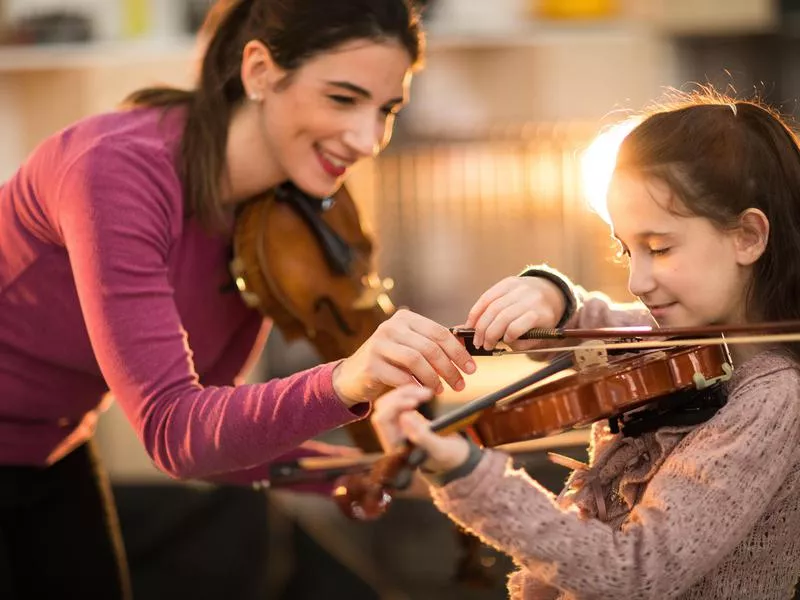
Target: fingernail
pixel 440 389
pixel 459 386
pixel 470 367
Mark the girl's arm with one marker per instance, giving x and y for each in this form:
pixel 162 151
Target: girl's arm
pixel 589 310
pixel 704 499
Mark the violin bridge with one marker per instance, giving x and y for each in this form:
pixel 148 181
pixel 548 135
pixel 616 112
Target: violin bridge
pixel 591 353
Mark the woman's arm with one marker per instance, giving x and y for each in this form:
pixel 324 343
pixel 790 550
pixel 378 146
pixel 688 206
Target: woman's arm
pixel 240 355
pixel 118 209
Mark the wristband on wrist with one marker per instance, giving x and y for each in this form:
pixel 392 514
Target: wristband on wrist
pixel 468 466
pixel 570 304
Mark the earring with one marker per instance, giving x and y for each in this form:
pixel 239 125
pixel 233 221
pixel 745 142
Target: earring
pixel 255 98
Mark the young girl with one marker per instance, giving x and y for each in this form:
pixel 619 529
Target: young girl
pixel 705 204
pixel 114 239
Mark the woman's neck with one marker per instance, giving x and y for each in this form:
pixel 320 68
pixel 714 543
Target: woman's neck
pixel 250 168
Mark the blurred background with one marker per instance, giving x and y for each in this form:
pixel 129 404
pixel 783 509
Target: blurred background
pixel 484 176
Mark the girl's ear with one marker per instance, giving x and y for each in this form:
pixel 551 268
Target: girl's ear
pixel 259 72
pixel 751 236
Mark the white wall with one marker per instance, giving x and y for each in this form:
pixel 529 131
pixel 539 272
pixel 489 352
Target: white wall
pixel 107 15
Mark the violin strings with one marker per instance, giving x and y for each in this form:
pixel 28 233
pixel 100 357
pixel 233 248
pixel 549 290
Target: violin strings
pixel 744 339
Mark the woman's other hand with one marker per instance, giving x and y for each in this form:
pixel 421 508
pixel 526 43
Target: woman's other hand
pixel 406 348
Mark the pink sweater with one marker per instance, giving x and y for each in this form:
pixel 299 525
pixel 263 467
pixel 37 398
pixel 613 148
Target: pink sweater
pixel 700 512
pixel 104 285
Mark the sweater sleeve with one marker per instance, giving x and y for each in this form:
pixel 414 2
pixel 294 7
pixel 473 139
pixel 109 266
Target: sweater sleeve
pixel 705 498
pixel 240 355
pixel 119 211
pixel 591 309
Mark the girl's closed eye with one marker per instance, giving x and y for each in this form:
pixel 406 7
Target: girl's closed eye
pixel 622 252
pixel 343 100
pixel 658 251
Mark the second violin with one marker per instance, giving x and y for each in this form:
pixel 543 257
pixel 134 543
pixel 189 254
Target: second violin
pixel 308 264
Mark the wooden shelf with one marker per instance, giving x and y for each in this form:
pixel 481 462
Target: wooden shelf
pixel 529 34
pixel 76 56
pixel 93 54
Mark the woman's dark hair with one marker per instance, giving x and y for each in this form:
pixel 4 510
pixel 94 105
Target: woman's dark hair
pixel 294 31
pixel 721 156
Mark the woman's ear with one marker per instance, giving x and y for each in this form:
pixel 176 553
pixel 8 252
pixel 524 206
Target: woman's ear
pixel 259 72
pixel 751 236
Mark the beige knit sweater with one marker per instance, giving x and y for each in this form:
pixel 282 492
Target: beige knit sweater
pixel 709 511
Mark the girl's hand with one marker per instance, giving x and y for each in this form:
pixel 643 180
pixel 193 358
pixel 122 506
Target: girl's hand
pixel 395 419
pixel 407 348
pixel 513 306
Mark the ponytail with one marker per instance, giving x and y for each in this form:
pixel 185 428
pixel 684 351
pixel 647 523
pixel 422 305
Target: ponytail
pixel 208 112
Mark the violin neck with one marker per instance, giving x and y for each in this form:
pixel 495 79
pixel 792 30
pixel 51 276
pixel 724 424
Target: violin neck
pixel 463 415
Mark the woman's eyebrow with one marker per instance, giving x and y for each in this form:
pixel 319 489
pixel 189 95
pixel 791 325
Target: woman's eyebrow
pixel 360 91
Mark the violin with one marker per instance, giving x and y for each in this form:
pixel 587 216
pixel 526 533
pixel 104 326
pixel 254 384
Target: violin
pixel 600 387
pixel 306 263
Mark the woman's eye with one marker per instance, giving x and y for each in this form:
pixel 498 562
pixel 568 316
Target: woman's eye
pixel 658 251
pixel 344 100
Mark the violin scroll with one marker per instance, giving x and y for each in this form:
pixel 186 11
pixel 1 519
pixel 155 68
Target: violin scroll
pixel 360 497
pixel 367 496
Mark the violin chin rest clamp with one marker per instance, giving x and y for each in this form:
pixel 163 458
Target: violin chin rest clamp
pixel 702 383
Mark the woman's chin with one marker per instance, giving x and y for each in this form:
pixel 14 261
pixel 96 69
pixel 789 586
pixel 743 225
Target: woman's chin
pixel 317 187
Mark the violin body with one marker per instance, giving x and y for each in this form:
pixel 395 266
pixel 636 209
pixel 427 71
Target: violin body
pixel 307 264
pixel 601 392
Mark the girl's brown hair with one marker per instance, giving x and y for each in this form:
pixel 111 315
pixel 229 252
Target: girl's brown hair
pixel 721 156
pixel 294 31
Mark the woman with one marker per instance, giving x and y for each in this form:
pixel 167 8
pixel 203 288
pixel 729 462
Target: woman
pixel 114 240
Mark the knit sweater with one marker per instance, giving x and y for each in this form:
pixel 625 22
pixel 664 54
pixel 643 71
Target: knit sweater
pixel 106 285
pixel 709 511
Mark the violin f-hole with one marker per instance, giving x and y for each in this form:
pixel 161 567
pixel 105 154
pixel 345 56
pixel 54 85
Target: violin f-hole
pixel 327 303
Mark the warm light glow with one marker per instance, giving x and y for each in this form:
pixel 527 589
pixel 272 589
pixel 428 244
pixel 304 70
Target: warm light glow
pixel 597 165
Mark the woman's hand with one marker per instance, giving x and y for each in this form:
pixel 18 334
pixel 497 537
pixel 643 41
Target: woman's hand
pixel 396 419
pixel 407 348
pixel 513 306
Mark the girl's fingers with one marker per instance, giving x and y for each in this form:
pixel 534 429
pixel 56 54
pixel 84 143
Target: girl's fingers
pixel 493 293
pixel 408 397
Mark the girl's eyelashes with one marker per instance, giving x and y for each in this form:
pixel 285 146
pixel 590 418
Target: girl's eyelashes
pixel 622 250
pixel 343 100
pixel 658 251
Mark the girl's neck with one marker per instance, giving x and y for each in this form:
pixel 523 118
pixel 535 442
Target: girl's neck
pixel 741 353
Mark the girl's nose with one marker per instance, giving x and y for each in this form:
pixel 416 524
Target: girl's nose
pixel 640 276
